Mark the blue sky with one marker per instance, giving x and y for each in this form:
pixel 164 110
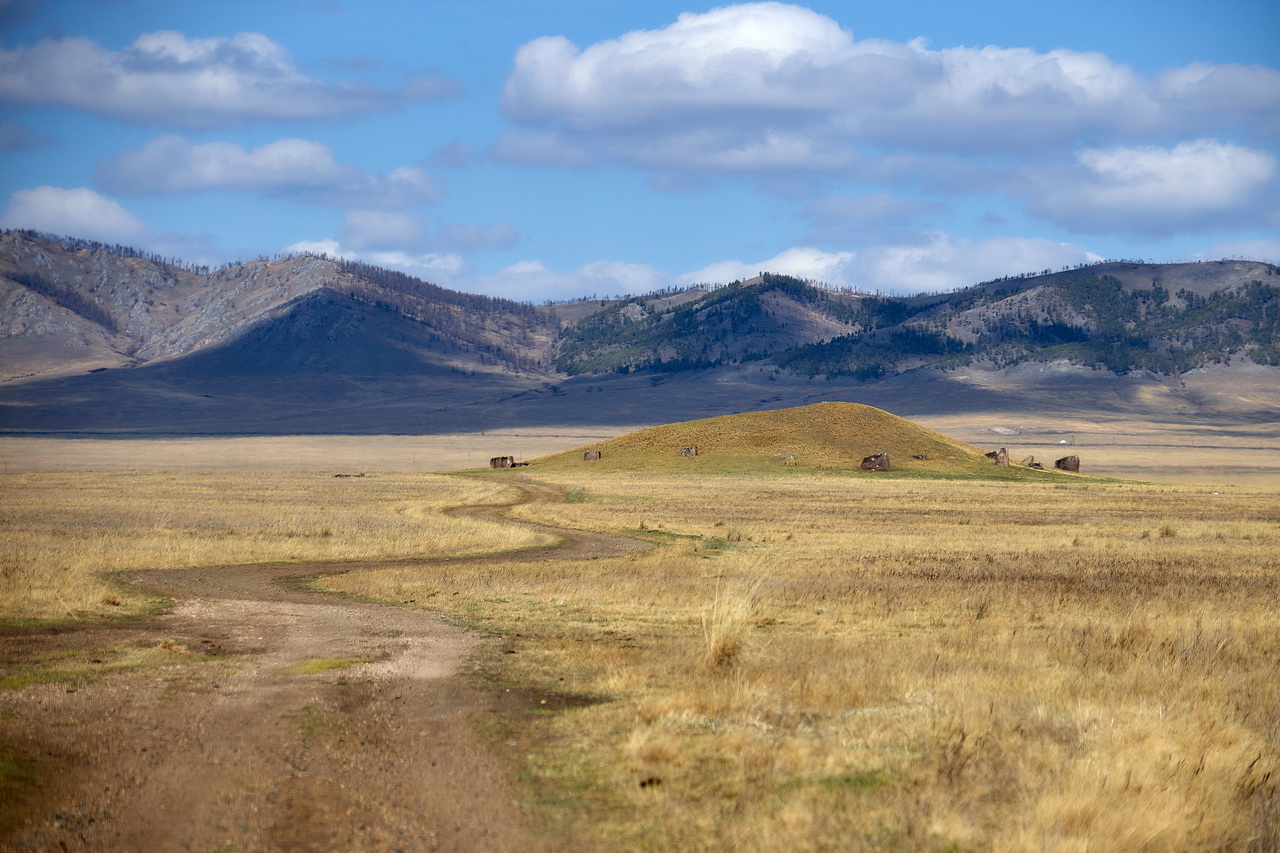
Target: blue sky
pixel 553 150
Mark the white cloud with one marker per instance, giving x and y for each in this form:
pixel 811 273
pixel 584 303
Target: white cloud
pixel 944 262
pixel 404 186
pixel 939 263
pixel 1150 189
pixel 770 86
pixel 78 212
pixel 435 267
pixel 172 165
pixel 81 212
pixel 166 79
pixel 801 262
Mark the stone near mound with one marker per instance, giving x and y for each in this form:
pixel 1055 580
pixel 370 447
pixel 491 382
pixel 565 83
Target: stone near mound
pixel 1068 463
pixel 876 462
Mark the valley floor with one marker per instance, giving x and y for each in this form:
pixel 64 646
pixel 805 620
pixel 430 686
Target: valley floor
pixel 791 660
pixel 1127 447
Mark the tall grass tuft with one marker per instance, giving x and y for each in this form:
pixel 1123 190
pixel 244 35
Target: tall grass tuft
pixel 726 621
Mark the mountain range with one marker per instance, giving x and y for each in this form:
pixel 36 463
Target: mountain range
pixel 100 339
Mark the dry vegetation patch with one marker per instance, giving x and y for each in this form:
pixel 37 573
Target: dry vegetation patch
pixel 820 436
pixel 818 663
pixel 59 533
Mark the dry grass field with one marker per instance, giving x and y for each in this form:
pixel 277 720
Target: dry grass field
pixel 807 659
pixel 327 453
pixel 811 663
pixel 61 534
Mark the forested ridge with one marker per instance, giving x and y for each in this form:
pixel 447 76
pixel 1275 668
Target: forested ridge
pixel 1117 316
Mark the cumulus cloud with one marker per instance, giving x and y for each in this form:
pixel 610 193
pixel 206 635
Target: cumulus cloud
pixel 801 262
pixel 1150 189
pixel 169 80
pixel 944 262
pixel 939 263
pixel 172 165
pixel 81 212
pixel 78 212
pixel 435 267
pixel 770 86
pixel 524 281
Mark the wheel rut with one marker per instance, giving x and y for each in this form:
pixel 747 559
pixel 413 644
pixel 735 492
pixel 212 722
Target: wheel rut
pixel 304 721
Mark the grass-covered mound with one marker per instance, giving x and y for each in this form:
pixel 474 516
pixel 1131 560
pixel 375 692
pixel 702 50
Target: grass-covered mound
pixel 822 436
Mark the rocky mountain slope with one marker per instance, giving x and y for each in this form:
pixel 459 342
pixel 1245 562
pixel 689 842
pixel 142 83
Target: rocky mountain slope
pixel 72 307
pixel 98 338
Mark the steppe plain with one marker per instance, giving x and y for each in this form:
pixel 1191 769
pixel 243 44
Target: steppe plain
pixel 811 658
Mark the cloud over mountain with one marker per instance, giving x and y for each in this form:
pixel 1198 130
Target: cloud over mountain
pixel 1155 189
pixel 172 165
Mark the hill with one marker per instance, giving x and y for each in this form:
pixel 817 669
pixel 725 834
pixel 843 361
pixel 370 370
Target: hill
pixel 1119 317
pixel 107 339
pixel 821 436
pixel 69 307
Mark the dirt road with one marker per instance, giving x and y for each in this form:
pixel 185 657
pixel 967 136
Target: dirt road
pixel 302 722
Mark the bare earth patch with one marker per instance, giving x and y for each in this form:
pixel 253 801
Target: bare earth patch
pixel 277 720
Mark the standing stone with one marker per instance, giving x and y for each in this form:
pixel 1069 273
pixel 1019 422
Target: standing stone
pixel 878 462
pixel 1068 463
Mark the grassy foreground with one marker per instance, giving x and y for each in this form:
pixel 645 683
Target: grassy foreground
pixel 807 660
pixel 811 662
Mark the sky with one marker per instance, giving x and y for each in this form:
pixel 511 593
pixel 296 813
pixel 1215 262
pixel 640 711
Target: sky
pixel 537 150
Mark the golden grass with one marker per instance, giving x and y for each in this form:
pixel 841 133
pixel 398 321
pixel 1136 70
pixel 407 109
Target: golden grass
pixel 60 532
pixel 815 663
pixel 411 454
pixel 1122 446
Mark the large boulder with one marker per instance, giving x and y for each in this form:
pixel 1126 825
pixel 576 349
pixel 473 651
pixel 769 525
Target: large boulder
pixel 878 462
pixel 1068 463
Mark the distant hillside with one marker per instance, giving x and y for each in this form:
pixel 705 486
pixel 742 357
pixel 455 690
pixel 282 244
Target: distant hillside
pixel 1120 317
pixel 747 321
pixel 97 338
pixel 821 436
pixel 73 306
